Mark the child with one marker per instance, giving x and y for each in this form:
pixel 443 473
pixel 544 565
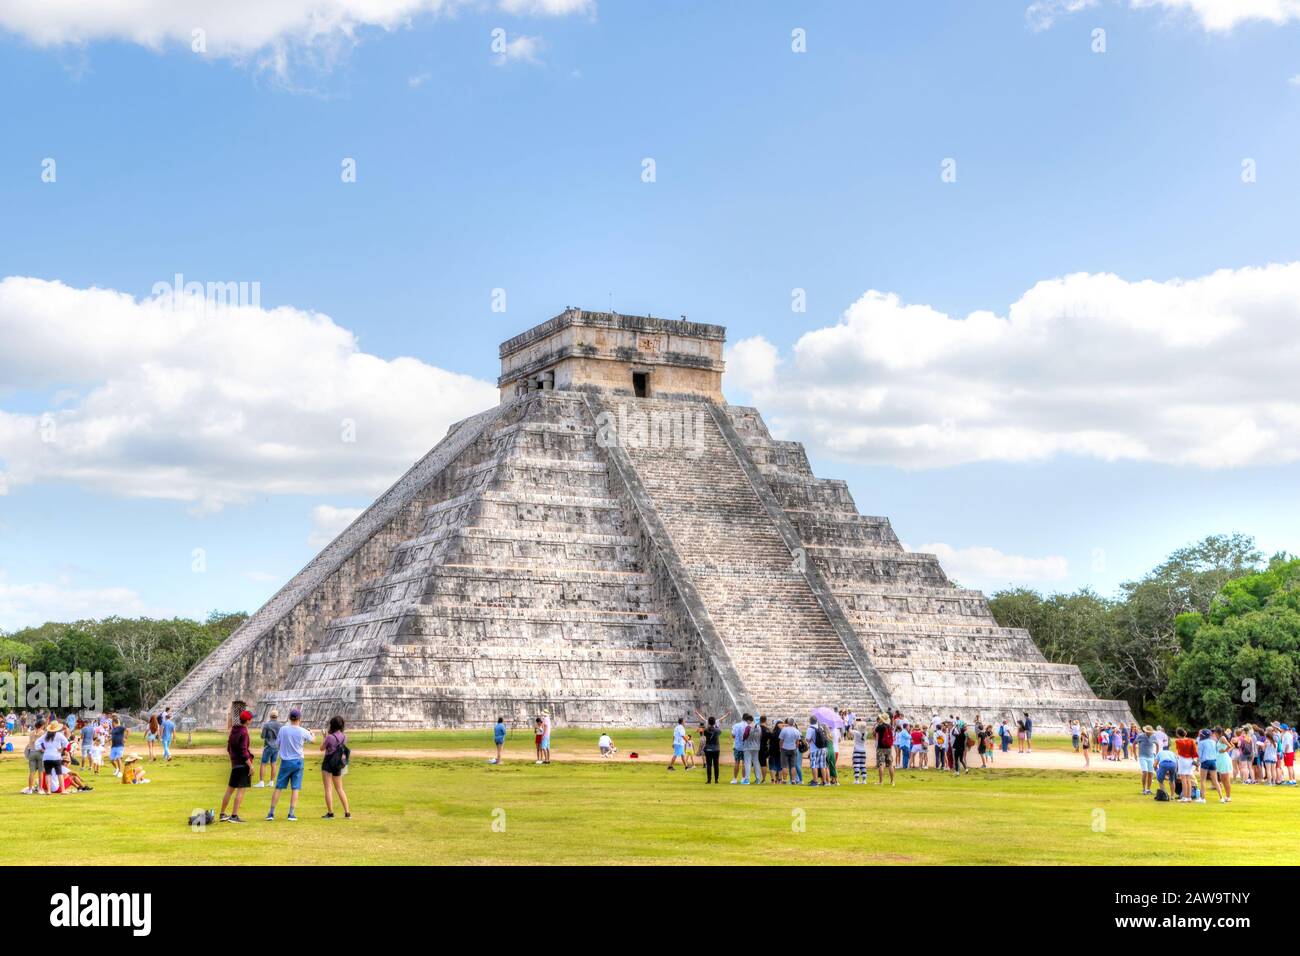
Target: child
pixel 537 739
pixel 132 772
pixel 688 761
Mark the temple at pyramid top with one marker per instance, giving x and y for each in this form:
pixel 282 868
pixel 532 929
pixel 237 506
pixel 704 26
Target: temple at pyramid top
pixel 613 354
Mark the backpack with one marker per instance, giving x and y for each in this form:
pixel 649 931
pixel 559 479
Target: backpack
pixel 336 761
pixel 819 737
pixel 202 818
pixel 1162 795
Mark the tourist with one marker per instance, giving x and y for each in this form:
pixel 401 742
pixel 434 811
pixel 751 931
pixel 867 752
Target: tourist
pixel 1029 733
pixel 270 734
pixel 688 761
pixel 1166 770
pixel 1185 749
pixel 1223 763
pixel 859 752
pixel 918 748
pixel 817 744
pixel 241 768
pixel 118 735
pixel 940 738
pixel 737 754
pixel 498 739
pixel 167 729
pixel 1074 734
pixel 51 746
pixel 292 737
pixel 1145 746
pixel 539 736
pixel 546 738
pixel 960 744
pixel 901 761
pixel 1207 755
pixel 1020 736
pixel 712 751
pixel 333 766
pixel 71 780
pixel 679 743
pixel 764 747
pixel 86 734
pixel 774 752
pixel 832 736
pixel 35 777
pixel 132 772
pixel 1085 745
pixel 1103 742
pixel 789 739
pixel 749 748
pixel 1288 748
pixel 884 737
pixel 605 743
pixel 151 735
pixel 97 739
pixel 985 737
pixel 1270 757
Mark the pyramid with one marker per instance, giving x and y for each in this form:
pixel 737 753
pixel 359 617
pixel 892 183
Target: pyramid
pixel 614 545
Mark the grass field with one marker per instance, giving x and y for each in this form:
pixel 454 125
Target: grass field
pixel 432 810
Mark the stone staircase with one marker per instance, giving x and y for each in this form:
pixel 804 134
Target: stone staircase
pixel 937 646
pixel 788 654
pixel 520 592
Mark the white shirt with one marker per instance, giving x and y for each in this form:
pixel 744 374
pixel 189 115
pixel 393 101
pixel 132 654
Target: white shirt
pixel 605 741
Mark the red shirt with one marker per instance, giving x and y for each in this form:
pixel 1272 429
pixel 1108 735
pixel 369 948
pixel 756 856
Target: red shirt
pixel 1185 747
pixel 237 747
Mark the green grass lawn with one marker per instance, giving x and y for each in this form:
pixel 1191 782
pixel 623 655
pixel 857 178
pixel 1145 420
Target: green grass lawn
pixel 444 811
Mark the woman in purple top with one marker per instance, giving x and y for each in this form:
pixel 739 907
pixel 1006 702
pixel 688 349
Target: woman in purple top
pixel 333 767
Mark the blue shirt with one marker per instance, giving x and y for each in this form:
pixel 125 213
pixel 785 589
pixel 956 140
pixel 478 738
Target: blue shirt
pixel 499 733
pixel 292 737
pixel 1208 749
pixel 168 728
pixel 87 735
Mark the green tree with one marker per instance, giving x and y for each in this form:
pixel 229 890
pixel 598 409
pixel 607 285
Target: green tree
pixel 1242 655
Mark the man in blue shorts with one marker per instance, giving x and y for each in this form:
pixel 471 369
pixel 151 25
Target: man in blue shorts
pixel 270 748
pixel 1166 769
pixel 1146 754
pixel 292 738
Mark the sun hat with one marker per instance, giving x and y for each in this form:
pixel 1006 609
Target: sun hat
pixel 54 726
pixel 1148 729
pixel 132 758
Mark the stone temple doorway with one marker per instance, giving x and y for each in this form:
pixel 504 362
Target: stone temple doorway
pixel 641 384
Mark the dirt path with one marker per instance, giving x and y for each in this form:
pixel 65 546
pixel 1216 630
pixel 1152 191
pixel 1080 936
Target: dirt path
pixel 1039 760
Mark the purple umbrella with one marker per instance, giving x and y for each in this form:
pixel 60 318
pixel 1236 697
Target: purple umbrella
pixel 827 717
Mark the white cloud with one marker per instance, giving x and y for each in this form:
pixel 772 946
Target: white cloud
pixel 210 405
pixel 522 49
pixel 268 32
pixel 418 80
pixel 1215 16
pixel 1295 80
pixel 1195 372
pixel 328 521
pixel 989 568
pixel 1043 13
pixel 25 605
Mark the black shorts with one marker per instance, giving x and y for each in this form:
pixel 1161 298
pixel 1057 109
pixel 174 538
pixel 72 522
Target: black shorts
pixel 241 777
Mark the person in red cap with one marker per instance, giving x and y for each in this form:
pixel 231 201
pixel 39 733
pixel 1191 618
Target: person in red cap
pixel 241 767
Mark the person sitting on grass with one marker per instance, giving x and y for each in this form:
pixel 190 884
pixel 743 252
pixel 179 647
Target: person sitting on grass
pixel 241 768
pixel 132 772
pixel 72 782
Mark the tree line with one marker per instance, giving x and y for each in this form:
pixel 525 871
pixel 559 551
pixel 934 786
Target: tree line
pixel 140 658
pixel 1211 635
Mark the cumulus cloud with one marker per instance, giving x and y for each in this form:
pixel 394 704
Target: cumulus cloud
pixel 1043 13
pixel 1215 16
pixel 328 521
pixel 174 397
pixel 521 49
pixel 1196 372
pixel 29 604
pixel 268 32
pixel 989 568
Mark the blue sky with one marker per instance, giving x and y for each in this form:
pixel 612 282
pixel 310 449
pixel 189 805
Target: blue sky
pixel 1054 452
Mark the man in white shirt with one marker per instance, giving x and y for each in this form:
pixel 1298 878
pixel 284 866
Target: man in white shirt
pixel 292 738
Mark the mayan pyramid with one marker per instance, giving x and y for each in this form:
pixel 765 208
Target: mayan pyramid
pixel 613 544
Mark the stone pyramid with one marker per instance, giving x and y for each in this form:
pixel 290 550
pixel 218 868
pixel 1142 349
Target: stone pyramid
pixel 615 545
